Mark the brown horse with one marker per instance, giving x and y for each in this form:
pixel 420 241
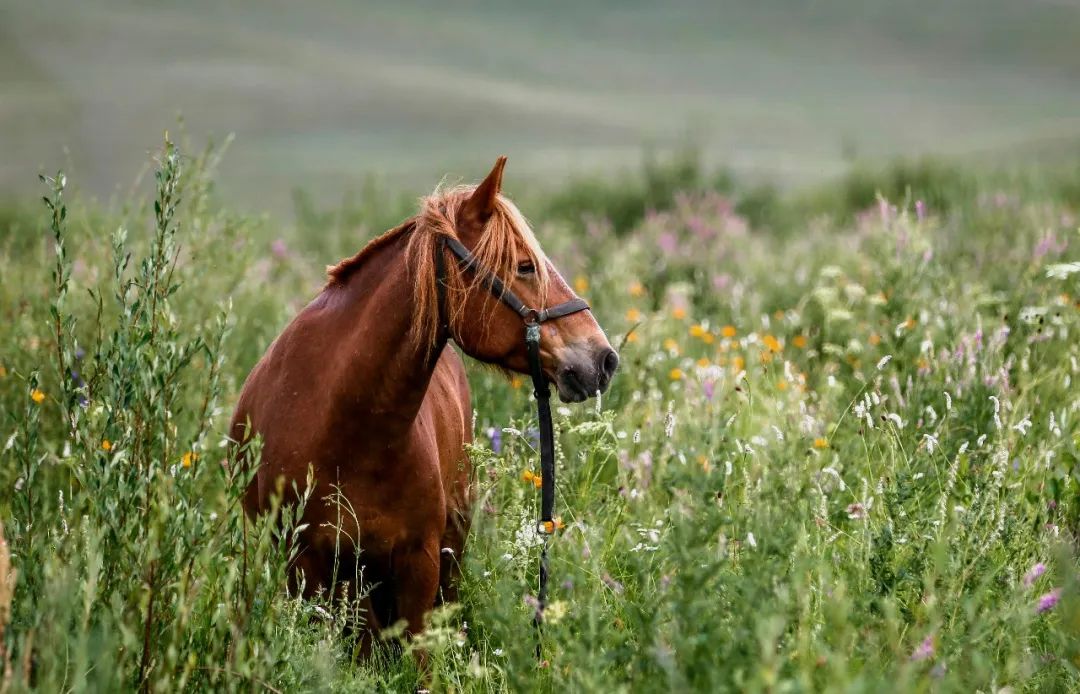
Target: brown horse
pixel 362 387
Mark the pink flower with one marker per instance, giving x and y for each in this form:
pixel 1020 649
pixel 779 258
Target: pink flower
pixel 1047 601
pixel 925 650
pixel 856 511
pixel 668 242
pixel 1031 576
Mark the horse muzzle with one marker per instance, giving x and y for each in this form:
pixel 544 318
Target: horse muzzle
pixel 585 371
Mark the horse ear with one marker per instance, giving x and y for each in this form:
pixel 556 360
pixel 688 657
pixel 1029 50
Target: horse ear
pixel 481 204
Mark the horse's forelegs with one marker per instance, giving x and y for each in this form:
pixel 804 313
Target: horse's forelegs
pixel 416 581
pixel 450 556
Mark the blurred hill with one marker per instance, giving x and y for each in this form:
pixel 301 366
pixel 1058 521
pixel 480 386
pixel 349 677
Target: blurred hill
pixel 322 94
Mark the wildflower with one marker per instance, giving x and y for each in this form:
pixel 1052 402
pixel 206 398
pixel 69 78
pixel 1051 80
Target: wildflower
pixel 671 345
pixel 874 339
pixel 675 374
pixel 924 650
pixel 821 442
pixel 678 313
pixel 633 315
pixel 636 289
pixel 738 363
pixel 527 476
pixel 1033 574
pixel 728 331
pixel 188 458
pixel 106 445
pixel 883 361
pixel 931 443
pixel 581 284
pixel 703 362
pixel 856 511
pixel 1047 601
pixel 538 481
pixel 697 330
pixel 1023 426
pixel 38 396
pixel 279 248
pixel 772 343
pixel 799 341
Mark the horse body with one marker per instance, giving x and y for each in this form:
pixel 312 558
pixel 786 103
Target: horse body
pixel 362 388
pixel 384 427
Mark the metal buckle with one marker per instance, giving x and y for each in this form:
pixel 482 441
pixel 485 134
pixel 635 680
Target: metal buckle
pixel 532 317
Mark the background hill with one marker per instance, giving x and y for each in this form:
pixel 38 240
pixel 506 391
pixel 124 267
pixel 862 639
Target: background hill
pixel 323 94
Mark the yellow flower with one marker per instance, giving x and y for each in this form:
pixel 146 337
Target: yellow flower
pixel 671 345
pixel 679 312
pixel 581 284
pixel 559 525
pixel 697 330
pixel 799 341
pixel 632 337
pixel 637 289
pixel 633 315
pixel 772 343
pixel 875 339
pixel 675 374
pixel 781 384
pixel 538 480
pixel 703 362
pixel 909 323
pixel 766 357
pixel 189 458
pixel 549 527
pixel 728 331
pixel 106 445
pixel 527 476
pixel 821 443
pixel 707 338
pixel 738 363
pixel 37 396
pixel 703 462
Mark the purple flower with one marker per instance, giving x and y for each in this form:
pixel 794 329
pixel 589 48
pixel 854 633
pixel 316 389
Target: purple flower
pixel 1031 576
pixel 920 210
pixel 279 249
pixel 708 387
pixel 495 435
pixel 1047 601
pixel 925 650
pixel 668 243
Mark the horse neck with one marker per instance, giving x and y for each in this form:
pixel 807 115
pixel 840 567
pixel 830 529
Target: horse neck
pixel 386 372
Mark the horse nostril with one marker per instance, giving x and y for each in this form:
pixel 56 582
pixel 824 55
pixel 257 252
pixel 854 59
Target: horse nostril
pixel 609 361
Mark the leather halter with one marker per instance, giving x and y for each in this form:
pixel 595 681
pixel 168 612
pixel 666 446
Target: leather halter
pixel 532 318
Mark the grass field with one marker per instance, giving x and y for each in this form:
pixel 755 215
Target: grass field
pixel 840 455
pixel 323 94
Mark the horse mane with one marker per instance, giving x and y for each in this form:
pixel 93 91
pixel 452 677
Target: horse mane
pixel 505 235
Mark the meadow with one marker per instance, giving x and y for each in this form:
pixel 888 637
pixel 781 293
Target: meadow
pixel 841 452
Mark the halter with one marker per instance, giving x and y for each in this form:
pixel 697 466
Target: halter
pixel 532 318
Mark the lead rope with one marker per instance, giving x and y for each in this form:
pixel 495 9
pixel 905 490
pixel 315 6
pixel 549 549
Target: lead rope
pixel 546 525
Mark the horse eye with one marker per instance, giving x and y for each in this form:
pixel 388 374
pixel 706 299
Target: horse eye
pixel 526 269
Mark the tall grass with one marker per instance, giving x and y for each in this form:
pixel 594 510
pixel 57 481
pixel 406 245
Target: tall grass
pixel 841 453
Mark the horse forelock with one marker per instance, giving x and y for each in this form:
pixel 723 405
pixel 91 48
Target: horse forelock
pixel 506 235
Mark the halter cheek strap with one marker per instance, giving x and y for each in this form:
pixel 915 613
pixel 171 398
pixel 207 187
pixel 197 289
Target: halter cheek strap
pixel 532 318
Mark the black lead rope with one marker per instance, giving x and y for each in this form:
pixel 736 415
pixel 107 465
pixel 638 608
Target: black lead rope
pixel 533 318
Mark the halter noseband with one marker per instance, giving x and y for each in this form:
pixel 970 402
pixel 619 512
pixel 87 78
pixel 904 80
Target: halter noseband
pixel 532 317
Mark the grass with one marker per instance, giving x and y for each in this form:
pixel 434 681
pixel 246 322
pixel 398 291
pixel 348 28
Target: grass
pixel 843 436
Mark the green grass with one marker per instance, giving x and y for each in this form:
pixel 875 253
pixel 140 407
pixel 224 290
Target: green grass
pixel 839 439
pixel 324 94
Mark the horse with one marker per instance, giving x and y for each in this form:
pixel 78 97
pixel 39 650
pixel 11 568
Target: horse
pixel 363 388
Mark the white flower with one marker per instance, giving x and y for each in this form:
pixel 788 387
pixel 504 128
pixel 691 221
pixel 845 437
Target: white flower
pixel 1023 425
pixel 931 443
pixel 948 402
pixel 750 539
pixel 883 361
